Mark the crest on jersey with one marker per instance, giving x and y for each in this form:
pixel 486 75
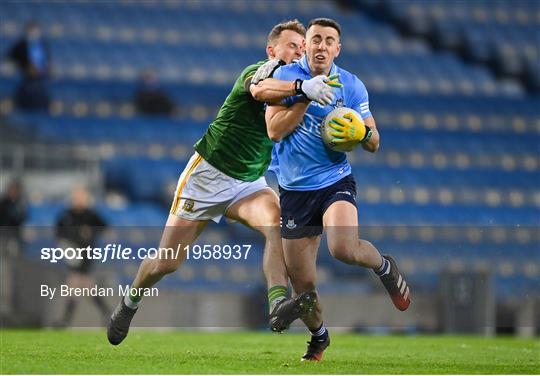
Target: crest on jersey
pixel 339 103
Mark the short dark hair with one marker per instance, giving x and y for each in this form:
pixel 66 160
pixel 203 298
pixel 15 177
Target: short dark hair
pixel 293 25
pixel 325 22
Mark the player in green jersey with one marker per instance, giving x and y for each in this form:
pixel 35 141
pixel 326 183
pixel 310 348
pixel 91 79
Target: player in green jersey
pixel 224 177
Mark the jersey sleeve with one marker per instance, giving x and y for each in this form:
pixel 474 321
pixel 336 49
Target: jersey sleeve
pixel 360 98
pixel 246 75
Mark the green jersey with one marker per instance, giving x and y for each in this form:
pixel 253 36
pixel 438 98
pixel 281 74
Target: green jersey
pixel 236 142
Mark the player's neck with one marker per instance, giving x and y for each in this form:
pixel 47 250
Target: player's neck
pixel 318 72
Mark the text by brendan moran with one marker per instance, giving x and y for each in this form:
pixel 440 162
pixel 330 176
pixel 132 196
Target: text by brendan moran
pixel 121 290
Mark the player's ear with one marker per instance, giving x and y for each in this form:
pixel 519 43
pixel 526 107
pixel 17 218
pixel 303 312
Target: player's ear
pixel 338 49
pixel 270 52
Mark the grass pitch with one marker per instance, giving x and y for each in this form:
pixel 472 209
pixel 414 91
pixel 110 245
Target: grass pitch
pixel 149 352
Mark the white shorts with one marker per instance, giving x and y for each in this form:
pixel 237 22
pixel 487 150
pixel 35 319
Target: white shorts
pixel 203 192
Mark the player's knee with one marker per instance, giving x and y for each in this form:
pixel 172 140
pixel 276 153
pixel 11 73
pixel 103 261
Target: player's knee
pixel 341 249
pixel 269 220
pixel 272 215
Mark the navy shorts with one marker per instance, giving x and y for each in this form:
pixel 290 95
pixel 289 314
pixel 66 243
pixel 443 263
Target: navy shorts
pixel 302 211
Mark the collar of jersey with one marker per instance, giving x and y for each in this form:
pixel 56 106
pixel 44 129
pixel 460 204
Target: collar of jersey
pixel 303 63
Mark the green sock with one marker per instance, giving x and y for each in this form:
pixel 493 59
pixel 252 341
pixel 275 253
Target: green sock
pixel 275 295
pixel 132 299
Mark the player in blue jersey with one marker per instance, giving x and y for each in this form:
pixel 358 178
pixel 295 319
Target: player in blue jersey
pixel 317 190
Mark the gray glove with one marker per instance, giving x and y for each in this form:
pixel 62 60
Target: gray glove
pixel 266 70
pixel 316 89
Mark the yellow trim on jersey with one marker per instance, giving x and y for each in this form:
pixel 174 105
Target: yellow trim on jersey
pixel 182 184
pixel 246 80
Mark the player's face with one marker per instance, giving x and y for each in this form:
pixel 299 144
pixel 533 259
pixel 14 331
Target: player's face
pixel 322 48
pixel 289 46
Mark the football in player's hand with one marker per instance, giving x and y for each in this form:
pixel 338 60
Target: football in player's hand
pixel 344 134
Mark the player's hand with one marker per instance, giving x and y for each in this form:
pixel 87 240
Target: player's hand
pixel 318 89
pixel 349 128
pixel 333 81
pixel 266 70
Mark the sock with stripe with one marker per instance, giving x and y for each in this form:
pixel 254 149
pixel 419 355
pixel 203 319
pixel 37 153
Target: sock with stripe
pixel 384 269
pixel 132 300
pixel 319 334
pixel 275 295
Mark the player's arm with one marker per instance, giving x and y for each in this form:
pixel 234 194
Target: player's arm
pixel 318 89
pixel 272 90
pixel 282 121
pixel 360 102
pixel 263 88
pixel 372 145
pixel 267 85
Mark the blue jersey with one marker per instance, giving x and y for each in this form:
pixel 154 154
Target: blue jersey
pixel 301 160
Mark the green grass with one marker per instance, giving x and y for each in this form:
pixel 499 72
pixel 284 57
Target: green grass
pixel 76 352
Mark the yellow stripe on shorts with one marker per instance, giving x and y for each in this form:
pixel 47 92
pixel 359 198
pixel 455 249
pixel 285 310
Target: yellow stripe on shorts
pixel 182 184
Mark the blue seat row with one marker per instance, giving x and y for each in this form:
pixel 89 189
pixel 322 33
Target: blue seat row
pixel 397 69
pixel 502 34
pixel 136 214
pixel 95 130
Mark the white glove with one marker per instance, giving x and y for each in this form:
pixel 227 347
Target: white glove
pixel 316 89
pixel 266 70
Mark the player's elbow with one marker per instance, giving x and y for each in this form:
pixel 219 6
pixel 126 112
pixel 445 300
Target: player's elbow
pixel 274 135
pixel 271 127
pixel 373 148
pixel 260 93
pixel 257 93
pixel 373 144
